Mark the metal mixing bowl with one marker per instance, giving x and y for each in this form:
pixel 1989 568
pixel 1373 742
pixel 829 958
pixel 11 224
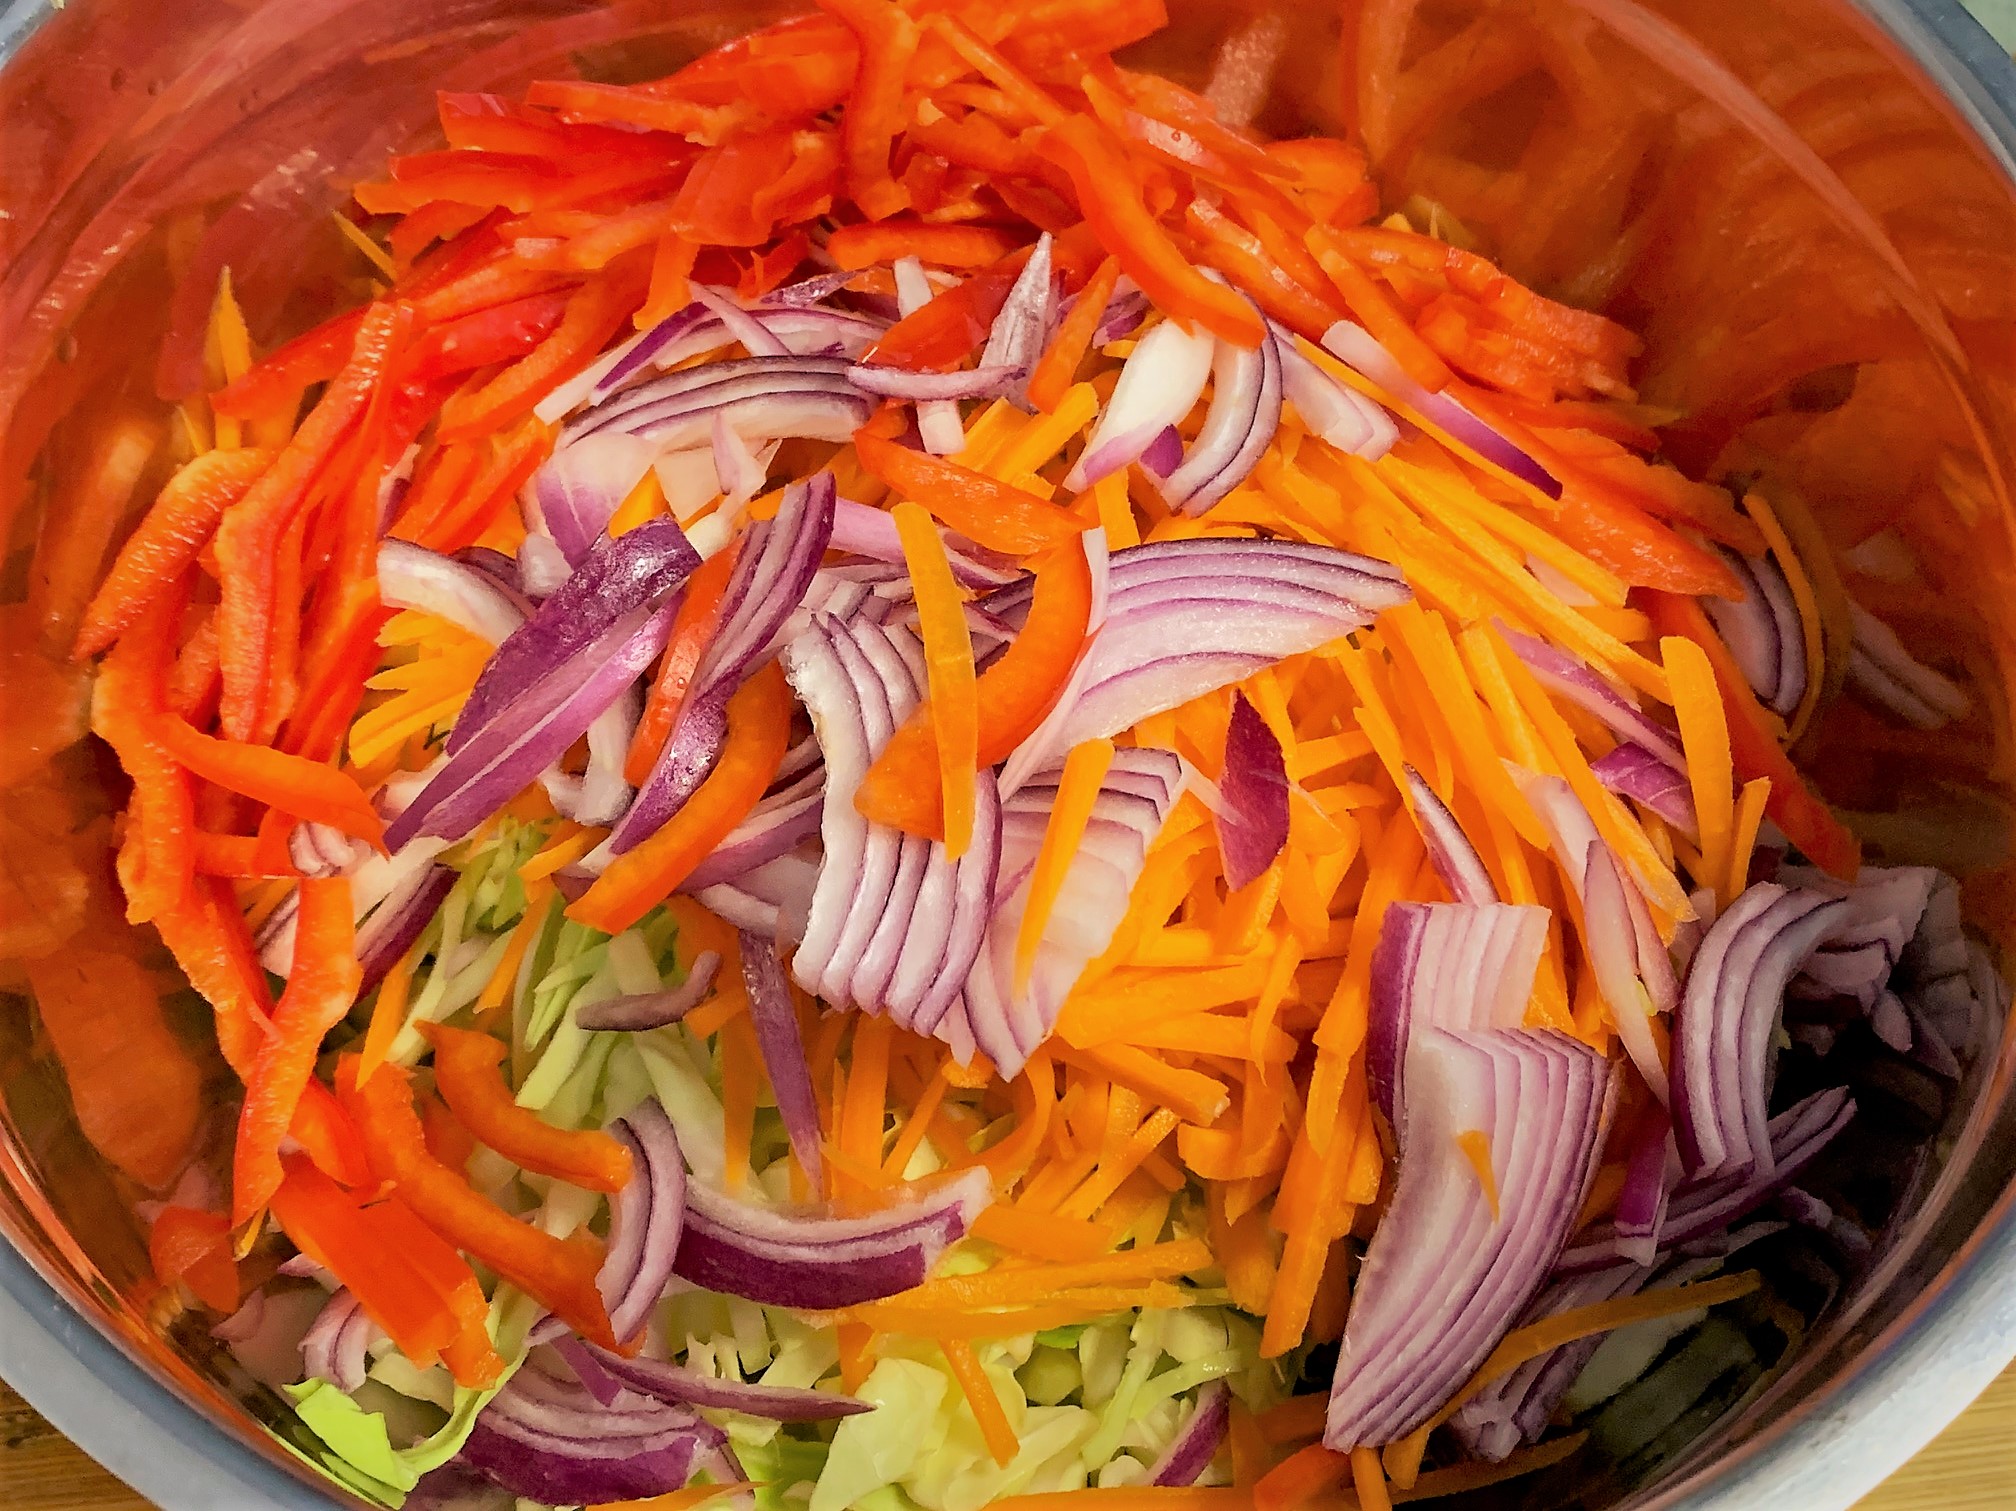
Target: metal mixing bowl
pixel 142 144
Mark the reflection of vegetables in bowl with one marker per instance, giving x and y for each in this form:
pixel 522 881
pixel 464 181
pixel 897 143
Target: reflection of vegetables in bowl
pixel 914 768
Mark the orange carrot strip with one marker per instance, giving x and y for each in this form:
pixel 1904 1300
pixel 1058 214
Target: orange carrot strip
pixel 1058 366
pixel 948 659
pixel 981 1400
pixel 693 627
pixel 1077 793
pixel 1704 734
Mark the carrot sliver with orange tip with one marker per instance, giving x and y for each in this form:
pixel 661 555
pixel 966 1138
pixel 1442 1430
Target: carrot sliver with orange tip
pixel 874 114
pixel 1749 819
pixel 948 661
pixel 468 1072
pixel 1704 736
pixel 759 733
pixel 981 1400
pixel 1078 791
pixel 388 1012
pixel 1369 1480
pixel 1057 368
pixel 1301 1479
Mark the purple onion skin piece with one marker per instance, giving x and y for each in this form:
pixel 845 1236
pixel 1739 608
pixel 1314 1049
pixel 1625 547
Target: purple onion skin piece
pixel 644 1011
pixel 1193 1448
pixel 1455 859
pixel 680 1386
pixel 1255 784
pixel 776 1019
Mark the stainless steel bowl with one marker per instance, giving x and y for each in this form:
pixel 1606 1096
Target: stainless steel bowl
pixel 143 144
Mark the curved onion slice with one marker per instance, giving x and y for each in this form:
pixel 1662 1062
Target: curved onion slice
pixel 1445 965
pixel 894 923
pixel 1239 426
pixel 542 566
pixel 1857 960
pixel 1162 381
pixel 820 1263
pixel 1455 859
pixel 402 917
pixel 578 489
pixel 334 1347
pixel 1123 314
pixel 768 397
pixel 1703 1205
pixel 616 577
pixel 1197 1441
pixel 744 327
pixel 862 530
pixel 1762 631
pixel 1612 946
pixel 778 559
pixel 600 794
pixel 1641 1204
pixel 772 900
pixel 985 382
pixel 1633 771
pixel 1722 1039
pixel 1449 1270
pixel 1356 345
pixel 645 1218
pixel 1253 823
pixel 640 1012
pixel 1141 786
pixel 679 1386
pixel 413 577
pixel 1185 617
pixel 1882 670
pixel 1559 672
pixel 784 820
pixel 1332 411
pixel 775 1017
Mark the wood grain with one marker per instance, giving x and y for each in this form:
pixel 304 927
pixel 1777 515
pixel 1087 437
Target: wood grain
pixel 1970 1467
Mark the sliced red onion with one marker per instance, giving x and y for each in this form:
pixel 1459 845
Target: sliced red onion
pixel 1762 631
pixel 862 530
pixel 1238 428
pixel 1164 454
pixel 579 488
pixel 394 925
pixel 772 900
pixel 640 1012
pixel 1612 944
pixel 939 425
pixel 1448 1270
pixel 542 566
pixel 1561 673
pixel 613 579
pixel 784 820
pixel 744 327
pixel 1633 771
pixel 1023 325
pixel 535 730
pixel 1162 381
pixel 778 559
pixel 1197 1441
pixel 814 290
pixel 245 1324
pixel 901 383
pixel 1185 617
pixel 820 1263
pixel 893 924
pixel 737 472
pixel 336 1343
pixel 646 1218
pixel 1141 786
pixel 545 1438
pixel 1455 859
pixel 600 794
pixel 319 850
pixel 775 1017
pixel 1331 411
pixel 680 1386
pixel 1356 346
pixel 1723 1050
pixel 1641 1205
pixel 1702 1205
pixel 1253 824
pixel 413 577
pixel 1445 965
pixel 1124 312
pixel 763 396
pixel 1886 906
pixel 1883 671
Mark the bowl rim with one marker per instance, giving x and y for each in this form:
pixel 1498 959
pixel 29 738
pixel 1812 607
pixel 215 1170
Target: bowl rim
pixel 1830 1451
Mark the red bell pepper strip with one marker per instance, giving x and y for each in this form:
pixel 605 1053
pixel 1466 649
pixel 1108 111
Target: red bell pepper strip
pixel 235 855
pixel 1804 816
pixel 321 988
pixel 460 519
pixel 975 142
pixel 158 853
pixel 276 382
pixel 579 101
pixel 1110 197
pixel 307 789
pixel 469 1075
pixel 737 192
pixel 194 1248
pixel 560 1273
pixel 1373 307
pixel 793 69
pixel 861 246
pixel 995 514
pixel 167 540
pixel 1051 32
pixel 594 314
pixel 949 328
pixel 874 113
pixel 766 270
pixel 692 630
pixel 501 334
pixel 208 938
pixel 1637 547
pixel 408 1279
pixel 759 732
pixel 1014 693
pixel 250 533
pixel 1224 244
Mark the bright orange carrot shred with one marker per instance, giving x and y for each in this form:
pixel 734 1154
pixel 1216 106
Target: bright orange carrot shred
pixel 948 657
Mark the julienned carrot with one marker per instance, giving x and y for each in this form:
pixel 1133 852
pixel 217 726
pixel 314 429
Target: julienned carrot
pixel 1806 819
pixel 759 732
pixel 981 1400
pixel 948 660
pixel 321 986
pixel 558 1272
pixel 1078 790
pixel 983 509
pixel 1704 733
pixel 468 1074
pixel 692 628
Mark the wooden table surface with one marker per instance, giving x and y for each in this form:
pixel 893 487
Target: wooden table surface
pixel 1970 1467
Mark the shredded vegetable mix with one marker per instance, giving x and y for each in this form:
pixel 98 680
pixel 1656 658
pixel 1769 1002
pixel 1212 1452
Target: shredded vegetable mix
pixel 917 760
